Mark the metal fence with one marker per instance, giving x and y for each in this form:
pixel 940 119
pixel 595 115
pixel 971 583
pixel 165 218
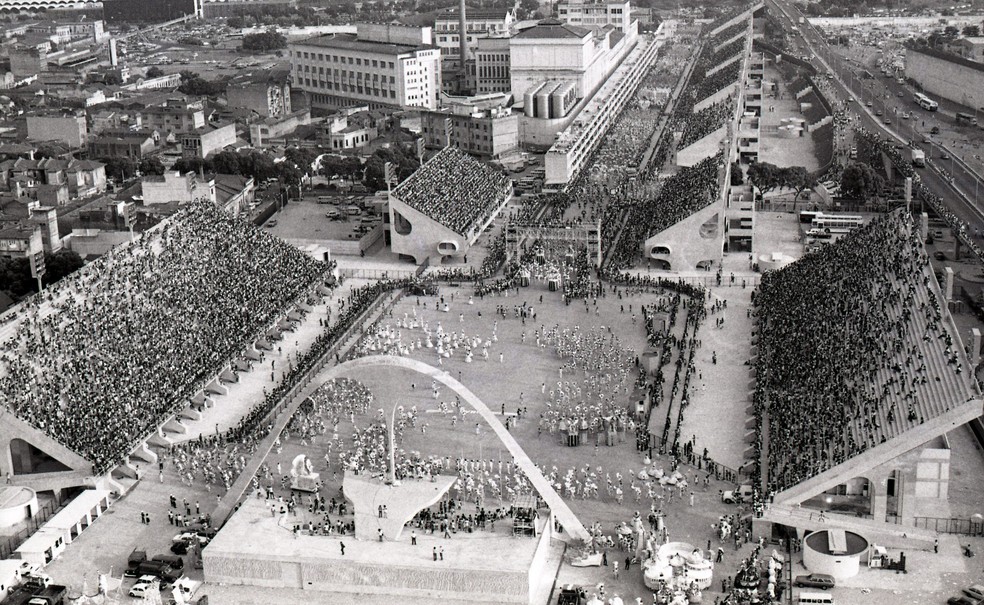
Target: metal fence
pixel 377 273
pixel 943 525
pixel 8 544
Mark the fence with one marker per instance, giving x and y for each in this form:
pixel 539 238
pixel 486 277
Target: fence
pixel 8 544
pixel 352 272
pixel 943 525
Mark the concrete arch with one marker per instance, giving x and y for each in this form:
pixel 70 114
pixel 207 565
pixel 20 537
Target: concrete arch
pixel 572 525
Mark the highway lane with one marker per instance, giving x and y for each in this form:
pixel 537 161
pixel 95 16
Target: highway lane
pixel 963 180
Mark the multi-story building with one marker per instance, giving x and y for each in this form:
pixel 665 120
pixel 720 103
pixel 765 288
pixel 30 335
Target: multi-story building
pixel 68 129
pixel 27 61
pixel 62 32
pixel 205 141
pixel 176 187
pixel 20 239
pixel 596 13
pixel 266 92
pixel 379 66
pixel 492 66
pixel 134 145
pixel 482 126
pixel 479 23
pixel 265 131
pixel 556 51
pixel 176 115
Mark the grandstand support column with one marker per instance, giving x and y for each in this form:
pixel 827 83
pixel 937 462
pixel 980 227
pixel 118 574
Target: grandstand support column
pixel 924 226
pixel 948 281
pixel 975 350
pixel 879 498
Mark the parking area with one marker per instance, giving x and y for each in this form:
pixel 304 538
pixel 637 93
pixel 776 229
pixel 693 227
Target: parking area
pixel 326 217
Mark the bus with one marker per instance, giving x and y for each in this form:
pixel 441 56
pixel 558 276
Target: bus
pixel 925 102
pixel 966 118
pixel 839 223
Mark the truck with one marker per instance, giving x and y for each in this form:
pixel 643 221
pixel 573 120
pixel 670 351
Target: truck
pixel 133 562
pixel 918 157
pixel 53 594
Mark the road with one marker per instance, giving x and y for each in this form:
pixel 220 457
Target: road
pixel 848 85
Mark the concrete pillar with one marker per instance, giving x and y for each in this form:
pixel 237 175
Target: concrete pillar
pixel 924 226
pixel 879 499
pixel 956 248
pixel 975 347
pixel 948 283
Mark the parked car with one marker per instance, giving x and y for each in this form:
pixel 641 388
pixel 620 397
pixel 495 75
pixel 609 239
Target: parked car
pixel 939 255
pixel 976 591
pixel 962 600
pixel 879 113
pixel 815 580
pixel 140 589
pixel 744 492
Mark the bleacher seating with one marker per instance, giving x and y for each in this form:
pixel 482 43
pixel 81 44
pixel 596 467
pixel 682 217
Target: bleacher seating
pixel 455 190
pixel 853 351
pixel 121 345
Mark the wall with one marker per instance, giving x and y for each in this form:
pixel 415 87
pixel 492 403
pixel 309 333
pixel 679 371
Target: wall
pixel 70 130
pixel 424 236
pixel 956 79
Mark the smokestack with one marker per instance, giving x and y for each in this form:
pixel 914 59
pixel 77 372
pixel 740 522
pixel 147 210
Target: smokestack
pixel 462 34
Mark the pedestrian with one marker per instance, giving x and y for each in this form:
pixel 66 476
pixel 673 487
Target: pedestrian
pixel 936 545
pixel 435 553
pixel 441 553
pixel 342 545
pixel 380 534
pixel 413 538
pixel 615 569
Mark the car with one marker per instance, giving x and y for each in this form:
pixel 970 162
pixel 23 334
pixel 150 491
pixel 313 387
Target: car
pixel 188 536
pixel 927 141
pixel 944 156
pixel 815 580
pixel 962 600
pixel 744 492
pixel 938 234
pixel 887 120
pixel 180 548
pixel 906 115
pixel 869 104
pixel 939 255
pixel 879 113
pixel 140 589
pixel 851 100
pixel 934 130
pixel 271 224
pixel 975 592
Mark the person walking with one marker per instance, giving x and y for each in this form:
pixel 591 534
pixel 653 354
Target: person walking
pixel 342 545
pixel 413 538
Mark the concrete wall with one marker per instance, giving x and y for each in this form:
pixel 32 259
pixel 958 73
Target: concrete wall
pixel 70 130
pixel 953 80
pixel 424 236
pixel 687 246
pixel 703 148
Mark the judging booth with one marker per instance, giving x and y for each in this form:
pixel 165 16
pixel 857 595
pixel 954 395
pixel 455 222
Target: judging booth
pixel 524 516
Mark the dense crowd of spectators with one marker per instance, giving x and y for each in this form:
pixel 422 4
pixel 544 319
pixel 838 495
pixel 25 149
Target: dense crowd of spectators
pixel 843 340
pixel 719 80
pixel 455 189
pixel 686 192
pixel 706 121
pixel 729 51
pixel 124 343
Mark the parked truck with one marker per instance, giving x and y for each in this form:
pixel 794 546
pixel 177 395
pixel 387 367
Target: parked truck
pixel 53 594
pixel 918 157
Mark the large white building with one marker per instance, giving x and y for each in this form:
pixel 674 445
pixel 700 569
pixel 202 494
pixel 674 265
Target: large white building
pixel 557 51
pixel 596 13
pixel 381 65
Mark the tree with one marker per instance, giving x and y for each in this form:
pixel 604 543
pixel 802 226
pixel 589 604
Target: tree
pixel 951 32
pixel 50 149
pixel 119 167
pixel 737 178
pixel 152 165
pixel 301 157
pixel 266 41
pixel 860 181
pixel 185 166
pixel 764 176
pixel 60 264
pixel 195 85
pixel 154 72
pixel 799 179
pixel 971 31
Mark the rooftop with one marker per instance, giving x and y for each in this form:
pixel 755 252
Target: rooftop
pixel 553 28
pixel 344 41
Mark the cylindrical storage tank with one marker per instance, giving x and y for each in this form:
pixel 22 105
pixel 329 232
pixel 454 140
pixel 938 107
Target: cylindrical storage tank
pixel 528 102
pixel 543 104
pixel 819 557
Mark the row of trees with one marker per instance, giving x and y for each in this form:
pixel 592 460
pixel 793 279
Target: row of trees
pixel 768 177
pixel 122 168
pixel 194 84
pixel 253 163
pixel 263 42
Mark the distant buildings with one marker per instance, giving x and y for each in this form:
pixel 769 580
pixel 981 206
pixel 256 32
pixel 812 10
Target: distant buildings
pixel 480 23
pixel 483 126
pixel 176 115
pixel 379 66
pixel 596 13
pixel 69 129
pixel 205 141
pixel 134 145
pixel 267 92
